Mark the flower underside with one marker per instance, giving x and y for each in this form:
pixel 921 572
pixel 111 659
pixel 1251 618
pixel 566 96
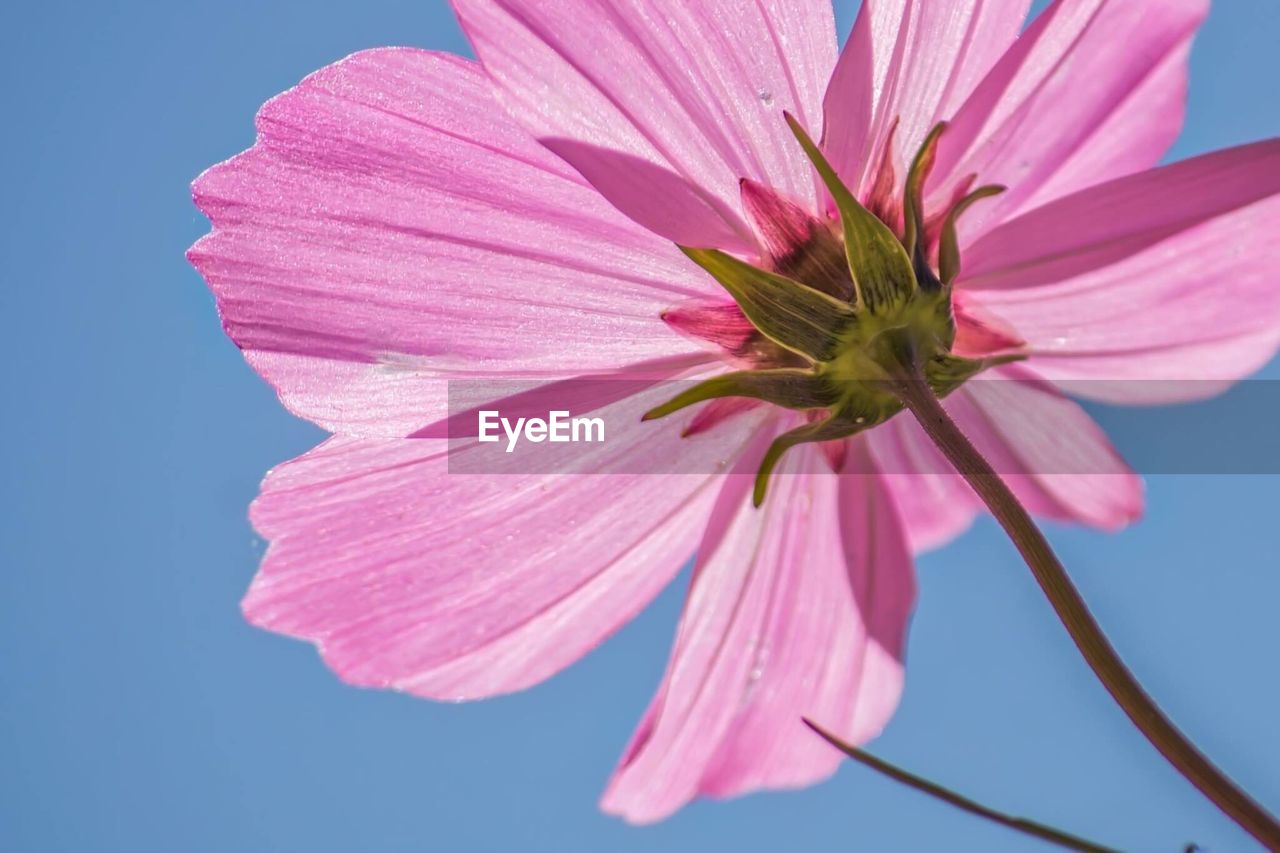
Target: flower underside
pixel 843 313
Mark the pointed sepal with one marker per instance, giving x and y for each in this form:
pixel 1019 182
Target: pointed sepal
pixel 946 373
pixel 880 267
pixel 830 429
pixel 913 204
pixel 790 388
pixel 790 314
pixel 949 240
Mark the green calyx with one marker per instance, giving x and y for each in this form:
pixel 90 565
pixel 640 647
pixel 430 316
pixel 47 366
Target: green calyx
pixel 897 327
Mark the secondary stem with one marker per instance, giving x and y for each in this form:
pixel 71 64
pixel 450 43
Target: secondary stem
pixel 1079 622
pixel 1019 824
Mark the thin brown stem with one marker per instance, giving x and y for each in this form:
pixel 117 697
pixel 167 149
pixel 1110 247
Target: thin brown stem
pixel 1018 824
pixel 1079 622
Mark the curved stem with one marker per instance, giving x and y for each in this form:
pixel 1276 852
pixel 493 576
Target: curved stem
pixel 1079 622
pixel 1018 824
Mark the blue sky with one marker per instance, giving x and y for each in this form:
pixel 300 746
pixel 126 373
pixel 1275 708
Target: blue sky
pixel 139 713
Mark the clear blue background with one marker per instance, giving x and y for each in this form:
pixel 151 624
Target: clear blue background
pixel 139 713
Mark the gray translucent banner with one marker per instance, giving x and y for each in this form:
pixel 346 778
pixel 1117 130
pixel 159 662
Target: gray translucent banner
pixel 594 426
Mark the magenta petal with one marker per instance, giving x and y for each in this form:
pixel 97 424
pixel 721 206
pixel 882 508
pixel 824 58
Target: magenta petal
pixel 980 333
pixel 717 412
pixel 781 224
pixel 1090 92
pixel 1162 279
pixel 393 228
pixel 459 586
pixel 664 106
pixel 799 609
pixel 914 62
pixel 717 322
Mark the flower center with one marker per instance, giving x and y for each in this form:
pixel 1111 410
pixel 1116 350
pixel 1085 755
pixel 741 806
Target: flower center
pixel 839 312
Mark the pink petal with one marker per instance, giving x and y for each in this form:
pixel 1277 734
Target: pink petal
pixel 664 106
pixel 1055 458
pixel 771 633
pixel 1057 461
pixel 914 61
pixel 392 228
pixel 1092 91
pixel 458 586
pixel 935 503
pixel 1163 279
pixel 1134 137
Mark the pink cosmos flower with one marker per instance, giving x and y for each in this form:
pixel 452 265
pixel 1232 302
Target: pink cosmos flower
pixel 407 218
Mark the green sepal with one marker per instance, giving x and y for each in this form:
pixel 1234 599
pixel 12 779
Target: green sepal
pixel 913 204
pixel 946 373
pixel 799 318
pixel 788 387
pixel 949 241
pixel 830 429
pixel 881 270
pixel 945 316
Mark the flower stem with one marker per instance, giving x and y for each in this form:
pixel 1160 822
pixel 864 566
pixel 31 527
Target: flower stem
pixel 1018 824
pixel 1076 618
